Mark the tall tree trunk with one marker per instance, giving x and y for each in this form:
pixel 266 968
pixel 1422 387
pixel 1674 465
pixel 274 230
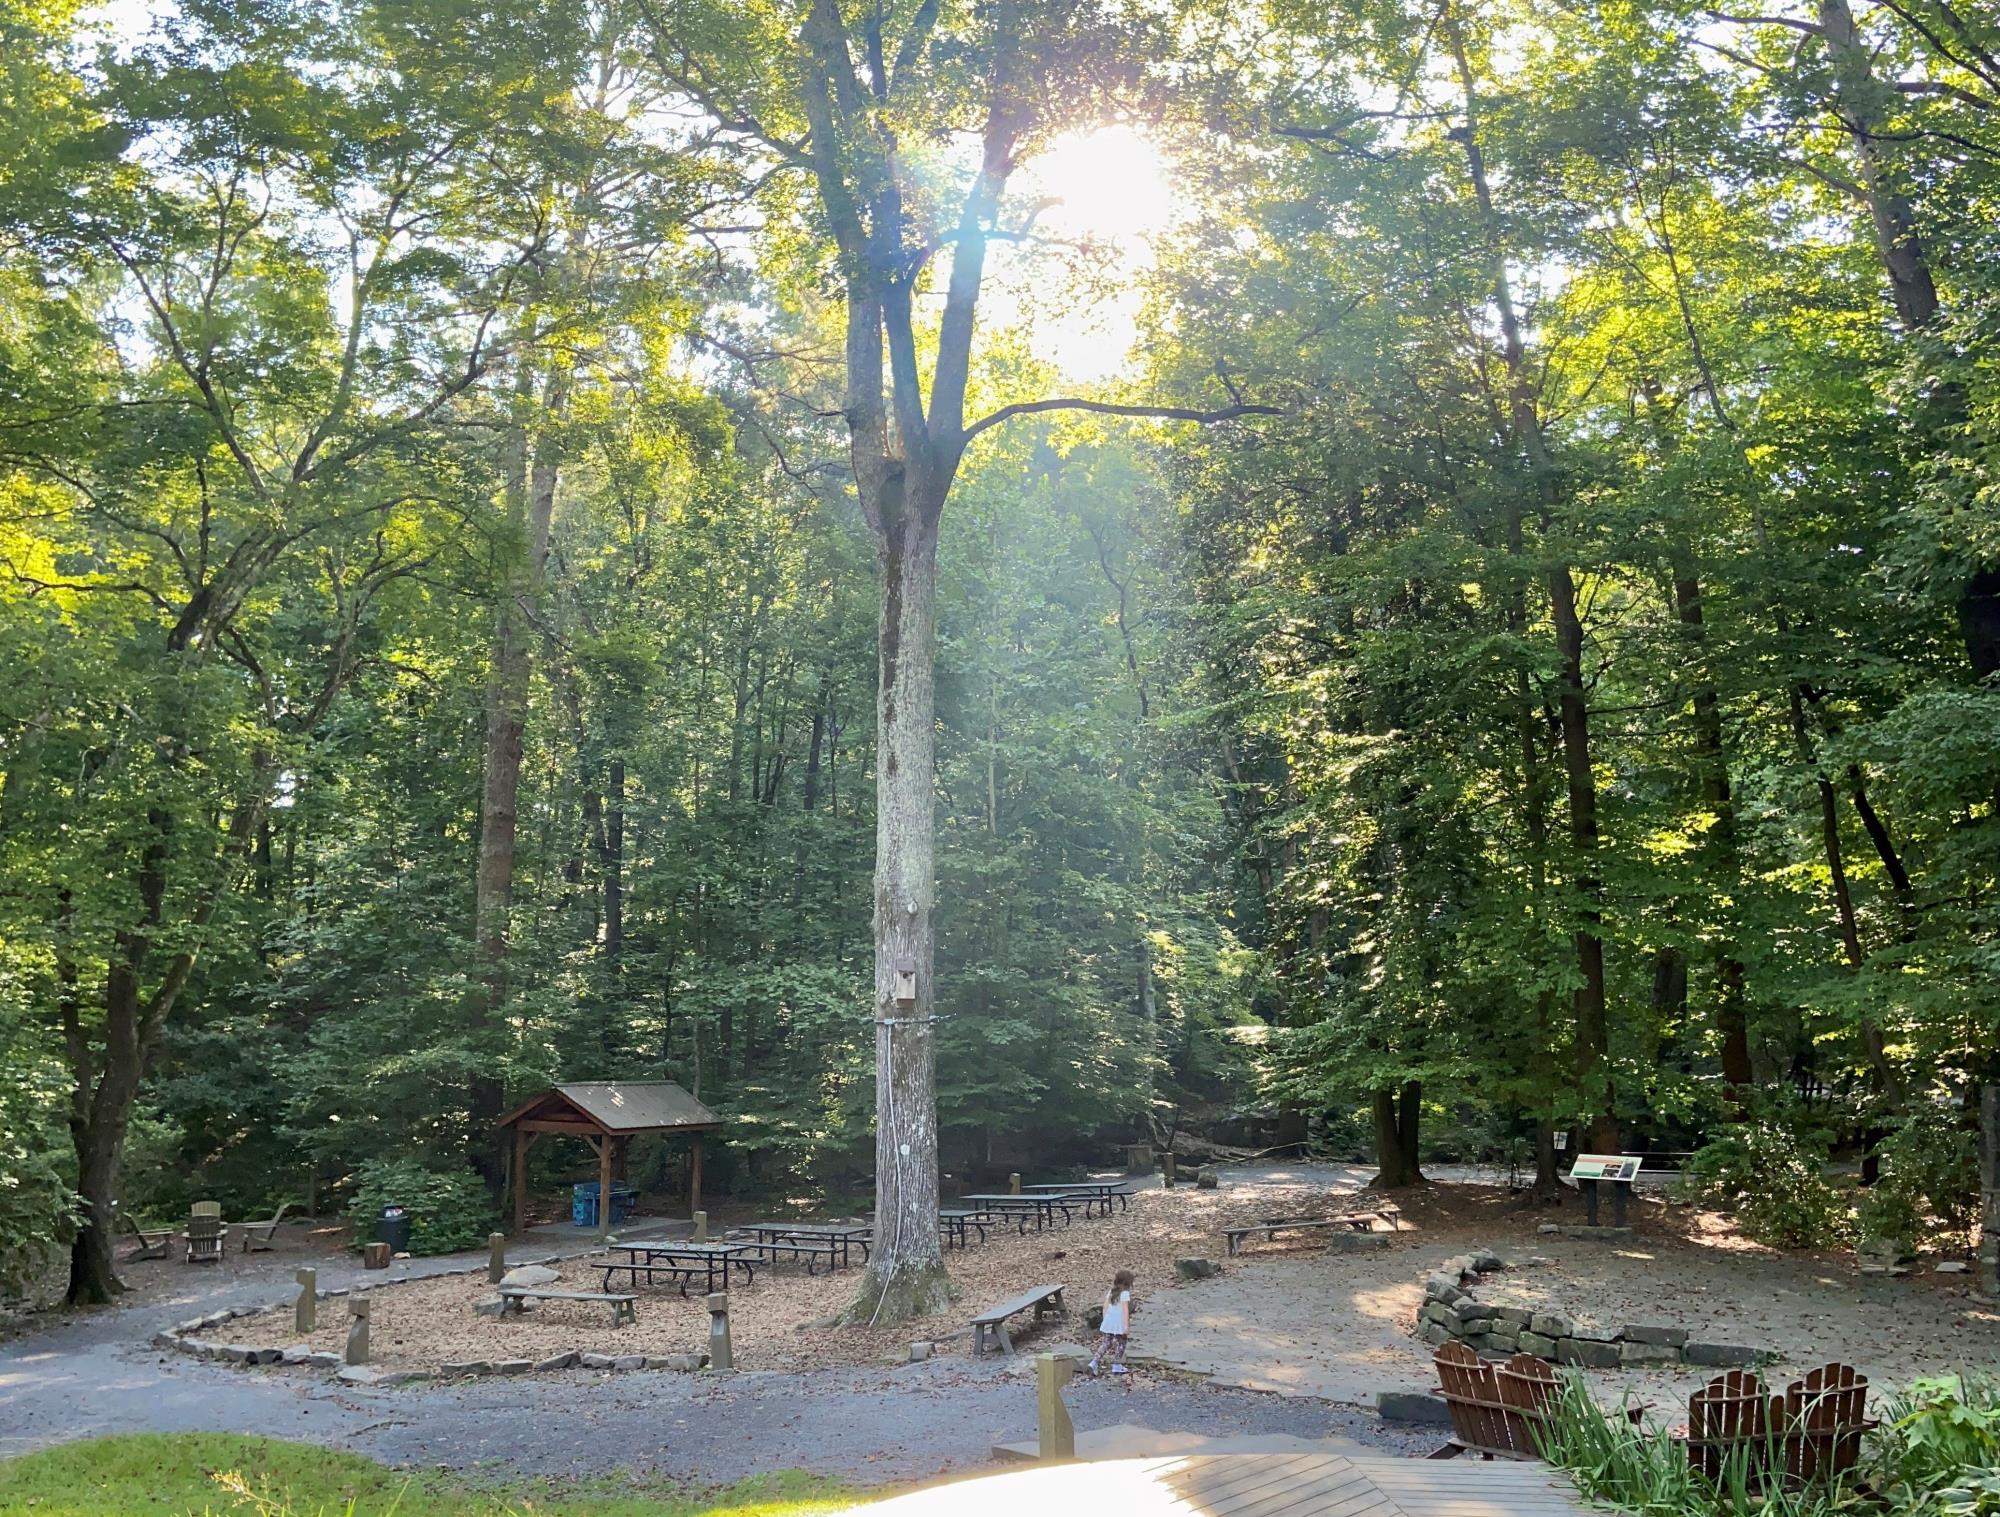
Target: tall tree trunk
pixel 1396 1114
pixel 1861 99
pixel 532 494
pixel 906 1270
pixel 1731 1019
pixel 613 864
pixel 1588 1003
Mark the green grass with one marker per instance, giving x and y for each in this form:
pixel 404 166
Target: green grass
pixel 196 1474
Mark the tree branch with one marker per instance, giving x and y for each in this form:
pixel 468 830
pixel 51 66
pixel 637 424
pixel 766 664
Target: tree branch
pixel 1114 408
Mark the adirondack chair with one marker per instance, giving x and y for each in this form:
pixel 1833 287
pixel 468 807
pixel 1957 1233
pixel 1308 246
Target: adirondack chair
pixel 206 1236
pixel 153 1241
pixel 1731 1412
pixel 1812 1432
pixel 1825 1415
pixel 1499 1410
pixel 1489 1418
pixel 258 1236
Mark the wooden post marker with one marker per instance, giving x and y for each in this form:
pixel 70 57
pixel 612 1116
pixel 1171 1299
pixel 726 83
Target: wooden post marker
pixel 720 1356
pixel 496 1256
pixel 360 1308
pixel 1989 1190
pixel 1014 1185
pixel 1058 1433
pixel 1167 1170
pixel 305 1310
pixel 701 1227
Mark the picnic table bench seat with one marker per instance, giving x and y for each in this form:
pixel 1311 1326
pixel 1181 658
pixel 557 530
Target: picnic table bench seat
pixel 956 1224
pixel 1022 1209
pixel 624 1304
pixel 811 1250
pixel 1270 1227
pixel 990 1326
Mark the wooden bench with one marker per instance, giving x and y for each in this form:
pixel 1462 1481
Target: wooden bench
pixel 624 1305
pixel 1270 1227
pixel 991 1324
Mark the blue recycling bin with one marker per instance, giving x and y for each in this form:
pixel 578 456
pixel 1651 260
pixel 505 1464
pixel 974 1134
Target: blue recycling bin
pixel 583 1203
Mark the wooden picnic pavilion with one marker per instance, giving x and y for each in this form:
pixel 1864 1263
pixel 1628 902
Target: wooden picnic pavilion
pixel 607 1114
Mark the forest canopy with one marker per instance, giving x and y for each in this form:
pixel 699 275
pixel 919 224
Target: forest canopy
pixel 1415 577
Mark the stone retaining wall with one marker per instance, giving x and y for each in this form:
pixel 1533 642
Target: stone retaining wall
pixel 194 1339
pixel 1451 1313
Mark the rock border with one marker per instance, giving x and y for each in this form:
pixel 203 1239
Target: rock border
pixel 192 1339
pixel 1451 1314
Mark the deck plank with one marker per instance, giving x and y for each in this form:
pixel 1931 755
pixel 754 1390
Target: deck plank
pixel 1264 1485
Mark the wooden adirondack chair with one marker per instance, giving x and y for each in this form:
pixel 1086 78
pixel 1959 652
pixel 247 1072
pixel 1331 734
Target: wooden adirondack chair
pixel 206 1236
pixel 1812 1432
pixel 153 1241
pixel 1731 1412
pixel 1825 1415
pixel 1488 1418
pixel 258 1236
pixel 1499 1411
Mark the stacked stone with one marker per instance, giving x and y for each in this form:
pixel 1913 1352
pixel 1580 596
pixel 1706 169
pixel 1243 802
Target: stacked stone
pixel 1450 1314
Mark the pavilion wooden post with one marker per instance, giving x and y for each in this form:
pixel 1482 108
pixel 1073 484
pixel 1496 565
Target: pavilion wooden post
pixel 604 1146
pixel 694 1177
pixel 520 1182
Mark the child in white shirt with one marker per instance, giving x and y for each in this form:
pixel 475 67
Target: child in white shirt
pixel 1116 1325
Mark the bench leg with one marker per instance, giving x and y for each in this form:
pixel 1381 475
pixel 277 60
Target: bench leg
pixel 1006 1343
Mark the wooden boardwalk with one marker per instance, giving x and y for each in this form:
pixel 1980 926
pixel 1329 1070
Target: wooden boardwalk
pixel 1255 1485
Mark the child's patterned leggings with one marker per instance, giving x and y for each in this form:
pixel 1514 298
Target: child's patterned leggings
pixel 1110 1349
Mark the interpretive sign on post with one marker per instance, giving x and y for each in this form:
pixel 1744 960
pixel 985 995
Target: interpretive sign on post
pixel 1605 1167
pixel 1620 1169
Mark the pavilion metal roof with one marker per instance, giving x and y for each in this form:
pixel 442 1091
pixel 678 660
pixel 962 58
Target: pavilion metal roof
pixel 621 1106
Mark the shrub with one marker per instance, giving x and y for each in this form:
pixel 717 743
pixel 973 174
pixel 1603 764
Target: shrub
pixel 1929 1183
pixel 1938 1434
pixel 1769 1175
pixel 449 1208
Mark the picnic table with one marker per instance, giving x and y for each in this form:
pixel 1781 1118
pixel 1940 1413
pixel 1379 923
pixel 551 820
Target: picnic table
pixel 810 1241
pixel 1042 1208
pixel 1270 1227
pixel 955 1221
pixel 1097 1193
pixel 682 1262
